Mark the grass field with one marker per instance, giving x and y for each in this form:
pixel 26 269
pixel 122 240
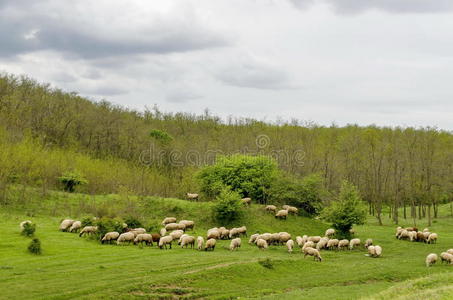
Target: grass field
pixel 73 267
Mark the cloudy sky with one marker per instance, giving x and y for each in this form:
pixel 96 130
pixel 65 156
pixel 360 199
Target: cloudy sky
pixel 385 62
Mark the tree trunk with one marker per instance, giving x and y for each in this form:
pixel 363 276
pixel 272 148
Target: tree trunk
pixel 429 215
pixel 404 211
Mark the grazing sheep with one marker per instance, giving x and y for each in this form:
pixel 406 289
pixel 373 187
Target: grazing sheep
pixel 163 232
pixel 188 224
pixel 224 233
pixel 420 237
pixel 200 242
pixel 164 241
pixel 109 237
pixel 290 245
pixel 371 251
pixel 368 243
pixel 343 244
pixel 176 234
pixel 265 236
pixel 308 244
pixel 125 237
pixel 299 241
pixel 180 238
pixel 312 252
pixel 214 234
pixel 234 232
pixel 22 224
pixel 175 226
pixel 314 239
pixel 426 230
pixel 404 234
pixel 210 244
pixel 293 210
pixel 330 232
pixel 322 243
pixel 144 237
pixel 188 240
pixel 253 238
pixel 377 251
pixel 235 243
pixel 168 220
pixel 283 237
pixel 353 243
pixel 242 230
pixel 432 238
pixel 285 207
pixel 66 224
pixel 246 201
pixel 271 208
pixel 88 230
pixel 156 237
pixel 333 243
pixel 450 251
pixel 192 196
pixel 281 214
pixel 431 259
pixel 262 244
pixel 412 229
pixel 447 257
pixel 426 235
pixel 75 226
pixel 274 239
pixel 137 231
pixel 412 236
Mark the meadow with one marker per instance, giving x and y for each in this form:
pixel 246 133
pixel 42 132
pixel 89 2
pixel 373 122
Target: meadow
pixel 73 267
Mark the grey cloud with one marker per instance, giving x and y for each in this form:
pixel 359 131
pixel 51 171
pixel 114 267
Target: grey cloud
pixel 105 90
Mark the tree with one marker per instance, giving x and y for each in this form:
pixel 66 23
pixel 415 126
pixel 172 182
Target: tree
pixel 348 210
pixel 228 207
pixel 72 179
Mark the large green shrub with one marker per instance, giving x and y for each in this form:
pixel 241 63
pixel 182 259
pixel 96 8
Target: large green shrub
pixel 250 176
pixel 347 210
pixel 28 229
pixel 108 225
pixel 70 180
pixel 35 246
pixel 228 207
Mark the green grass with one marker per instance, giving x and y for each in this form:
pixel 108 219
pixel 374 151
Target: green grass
pixel 73 267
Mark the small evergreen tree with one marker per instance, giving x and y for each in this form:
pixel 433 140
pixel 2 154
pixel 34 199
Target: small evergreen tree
pixel 228 207
pixel 35 246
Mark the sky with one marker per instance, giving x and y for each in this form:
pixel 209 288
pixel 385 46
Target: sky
pixel 383 62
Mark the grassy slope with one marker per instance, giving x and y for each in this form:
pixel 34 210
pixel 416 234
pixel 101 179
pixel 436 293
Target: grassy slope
pixel 78 267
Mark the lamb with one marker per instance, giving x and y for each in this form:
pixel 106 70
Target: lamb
pixel 322 243
pixel 293 210
pixel 188 240
pixel 253 238
pixel 88 230
pixel 168 220
pixel 175 226
pixel 75 226
pixel 188 224
pixel 246 201
pixel 432 238
pixel 333 243
pixel 163 232
pixel 281 214
pixel 447 257
pixel 290 245
pixel 368 243
pixel 235 243
pixel 125 237
pixel 353 243
pixel 343 244
pixel 312 252
pixel 431 259
pixel 330 232
pixel 22 224
pixel 262 244
pixel 144 237
pixel 314 239
pixel 214 234
pixel 66 224
pixel 192 196
pixel 164 241
pixel 200 242
pixel 109 237
pixel 210 244
pixel 271 208
pixel 176 234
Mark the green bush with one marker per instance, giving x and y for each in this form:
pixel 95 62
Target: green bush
pixel 29 229
pixel 267 263
pixel 228 207
pixel 250 176
pixel 107 225
pixel 348 210
pixel 35 246
pixel 88 221
pixel 133 222
pixel 70 180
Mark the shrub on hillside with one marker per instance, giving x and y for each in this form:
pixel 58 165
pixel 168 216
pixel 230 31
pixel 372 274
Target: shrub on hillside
pixel 88 221
pixel 29 229
pixel 228 207
pixel 347 210
pixel 35 246
pixel 71 180
pixel 107 225
pixel 133 222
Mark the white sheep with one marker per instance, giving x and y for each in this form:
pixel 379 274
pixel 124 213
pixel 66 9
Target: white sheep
pixel 312 252
pixel 242 230
pixel 191 196
pixel 210 244
pixel 330 232
pixel 426 230
pixel 322 243
pixel 308 244
pixel 188 240
pixel 333 243
pixel 314 239
pixel 246 201
pixel 431 259
pixel 265 236
pixel 188 224
pixel 353 243
pixel 224 233
pixel 412 235
pixel 214 234
pixel 22 224
pixel 299 241
pixel 274 239
pixel 137 231
pixel 109 237
pixel 290 245
pixel 281 214
pixel 343 244
pixel 253 238
pixel 175 226
pixel 168 220
pixel 293 210
pixel 163 232
pixel 200 242
pixel 374 251
pixel 75 226
pixel 88 230
pixel 235 243
pixel 176 234
pixel 66 224
pixel 450 251
pixel 144 237
pixel 271 208
pixel 404 234
pixel 164 241
pixel 234 232
pixel 283 237
pixel 432 238
pixel 368 243
pixel 125 237
pixel 262 244
pixel 285 207
pixel 447 257
pixel 180 238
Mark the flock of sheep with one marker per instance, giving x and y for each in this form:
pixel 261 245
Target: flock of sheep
pixel 412 234
pixel 283 213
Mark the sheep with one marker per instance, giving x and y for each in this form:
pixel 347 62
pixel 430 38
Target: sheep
pixel 450 251
pixel 330 232
pixel 224 233
pixel 322 243
pixel 343 244
pixel 22 224
pixel 290 245
pixel 188 240
pixel 352 231
pixel 262 244
pixel 253 238
pixel 308 244
pixel 163 232
pixel 234 232
pixel 314 239
pixel 426 230
pixel 420 237
pixel 368 243
pixel 175 226
pixel 447 257
pixel 281 214
pixel 109 237
pixel 200 242
pixel 137 231
pixel 432 238
pixel 125 237
pixel 398 232
pixel 192 196
pixel 176 234
pixel 210 245
pixel 235 243
pixel 181 237
pixel 431 259
pixel 333 243
pixel 274 239
pixel 214 234
pixel 412 229
pixel 353 243
pixel 377 251
pixel 271 208
pixel 312 252
pixel 426 235
pixel 265 236
pixel 404 234
pixel 242 230
pixel 246 201
pixel 144 237
pixel 188 224
pixel 66 224
pixel 412 236
pixel 285 207
pixel 88 230
pixel 293 210
pixel 168 220
pixel 75 226
pixel 299 241
pixel 164 241
pixel 371 251
pixel 283 237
